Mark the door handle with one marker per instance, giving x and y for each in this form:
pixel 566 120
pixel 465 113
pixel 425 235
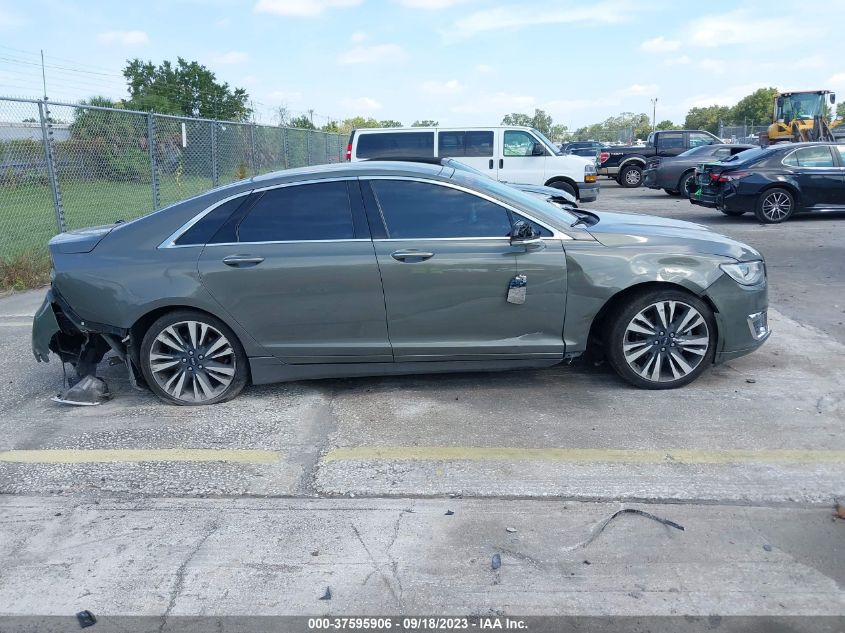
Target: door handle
pixel 411 255
pixel 242 261
pixel 501 163
pixel 491 163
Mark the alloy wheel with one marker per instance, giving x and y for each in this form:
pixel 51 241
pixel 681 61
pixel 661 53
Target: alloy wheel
pixel 633 176
pixel 192 361
pixel 777 206
pixel 665 341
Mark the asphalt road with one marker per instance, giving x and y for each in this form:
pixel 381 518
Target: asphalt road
pixel 396 492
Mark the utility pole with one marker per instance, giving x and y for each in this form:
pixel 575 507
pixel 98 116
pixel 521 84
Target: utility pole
pixel 43 75
pixel 654 114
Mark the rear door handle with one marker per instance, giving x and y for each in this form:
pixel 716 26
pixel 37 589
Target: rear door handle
pixel 491 163
pixel 242 261
pixel 501 163
pixel 411 255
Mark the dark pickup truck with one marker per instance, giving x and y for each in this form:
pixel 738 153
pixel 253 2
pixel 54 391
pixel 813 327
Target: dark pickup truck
pixel 626 164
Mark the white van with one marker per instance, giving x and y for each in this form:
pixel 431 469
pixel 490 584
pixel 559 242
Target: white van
pixel 508 153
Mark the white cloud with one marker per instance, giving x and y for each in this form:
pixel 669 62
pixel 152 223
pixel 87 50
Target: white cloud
pixel 9 20
pixel 677 61
pixel 640 89
pixel 301 8
pixel 439 88
pixel 380 53
pixel 484 69
pixel 222 23
pixel 715 66
pixel 728 96
pixel 232 57
pixel 123 38
pixel 510 17
pixel 431 4
pixel 499 103
pixel 279 97
pixel 367 104
pixel 568 105
pixel 358 37
pixel 660 45
pixel 838 78
pixel 745 28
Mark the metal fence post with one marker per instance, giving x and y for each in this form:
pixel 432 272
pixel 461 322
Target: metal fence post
pixel 151 146
pixel 252 143
pixel 328 160
pixel 308 147
pixel 46 134
pixel 215 177
pixel 285 147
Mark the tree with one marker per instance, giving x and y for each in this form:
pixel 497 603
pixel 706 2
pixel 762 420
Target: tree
pixel 389 123
pixel 302 122
pixel 666 125
pixel 707 118
pixel 283 116
pixel 540 121
pixel 186 88
pixel 840 110
pixel 625 127
pixel 755 108
pixel 425 123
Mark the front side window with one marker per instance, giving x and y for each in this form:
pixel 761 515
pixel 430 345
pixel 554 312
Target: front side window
pixel 414 210
pixel 469 143
pixel 697 138
pixel 318 211
pixel 811 157
pixel 395 144
pixel 518 143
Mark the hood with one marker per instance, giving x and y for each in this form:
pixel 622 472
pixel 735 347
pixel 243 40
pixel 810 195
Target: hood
pixel 632 229
pixel 80 240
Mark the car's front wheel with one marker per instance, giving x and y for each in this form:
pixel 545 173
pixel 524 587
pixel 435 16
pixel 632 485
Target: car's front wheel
pixel 564 186
pixel 631 176
pixel 192 358
pixel 775 206
pixel 661 339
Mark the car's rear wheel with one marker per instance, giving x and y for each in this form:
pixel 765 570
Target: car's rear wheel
pixel 631 176
pixel 192 358
pixel 686 184
pixel 775 206
pixel 564 186
pixel 661 339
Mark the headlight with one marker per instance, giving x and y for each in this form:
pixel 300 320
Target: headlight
pixel 746 273
pixel 590 168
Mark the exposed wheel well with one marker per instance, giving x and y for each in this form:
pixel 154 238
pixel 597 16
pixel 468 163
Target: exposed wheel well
pixel 565 179
pixel 600 321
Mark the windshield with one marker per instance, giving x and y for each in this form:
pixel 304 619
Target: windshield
pixel 701 149
pixel 539 207
pixel 749 155
pixel 554 148
pixel 801 106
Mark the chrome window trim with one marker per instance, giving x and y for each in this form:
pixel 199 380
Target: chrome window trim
pixel 170 242
pixel 350 239
pixel 556 234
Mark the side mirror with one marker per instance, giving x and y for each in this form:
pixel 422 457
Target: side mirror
pixel 780 102
pixel 833 97
pixel 524 233
pixel 538 150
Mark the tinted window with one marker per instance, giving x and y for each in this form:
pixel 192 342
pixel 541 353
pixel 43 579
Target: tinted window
pixel 470 143
pixel 811 157
pixel 841 149
pixel 542 231
pixel 395 144
pixel 697 138
pixel 518 143
pixel 701 150
pixel 722 152
pixel 670 140
pixel 301 212
pixel 417 210
pixel 204 230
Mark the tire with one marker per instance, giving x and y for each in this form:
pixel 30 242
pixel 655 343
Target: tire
pixel 669 363
pixel 187 337
pixel 672 192
pixel 631 176
pixel 564 186
pixel 733 214
pixel 686 184
pixel 775 206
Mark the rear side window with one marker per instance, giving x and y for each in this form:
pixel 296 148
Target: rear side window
pixel 470 143
pixel 811 157
pixel 422 210
pixel 697 138
pixel 299 213
pixel 395 144
pixel 205 228
pixel 671 140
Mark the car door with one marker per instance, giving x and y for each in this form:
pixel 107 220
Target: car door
pixel 475 148
pixel 447 263
pixel 818 174
pixel 517 162
pixel 296 269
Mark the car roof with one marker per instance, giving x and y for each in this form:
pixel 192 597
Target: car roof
pixel 441 127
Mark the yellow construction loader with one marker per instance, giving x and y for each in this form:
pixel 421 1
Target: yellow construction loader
pixel 800 116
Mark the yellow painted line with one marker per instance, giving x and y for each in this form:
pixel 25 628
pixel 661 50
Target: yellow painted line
pixel 588 455
pixel 93 456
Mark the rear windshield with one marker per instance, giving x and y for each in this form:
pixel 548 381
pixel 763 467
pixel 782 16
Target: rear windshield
pixel 750 155
pixel 701 149
pixel 395 144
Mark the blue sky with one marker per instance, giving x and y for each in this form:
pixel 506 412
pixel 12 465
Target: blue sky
pixel 457 61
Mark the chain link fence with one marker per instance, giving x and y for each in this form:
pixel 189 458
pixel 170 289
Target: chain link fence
pixel 741 133
pixel 65 166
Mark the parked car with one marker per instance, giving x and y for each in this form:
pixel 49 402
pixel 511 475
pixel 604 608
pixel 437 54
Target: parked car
pixel 775 182
pixel 587 149
pixel 507 153
pixel 676 174
pixel 626 164
pixel 382 268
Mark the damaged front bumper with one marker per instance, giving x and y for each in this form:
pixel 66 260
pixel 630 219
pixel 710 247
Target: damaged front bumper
pixel 44 327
